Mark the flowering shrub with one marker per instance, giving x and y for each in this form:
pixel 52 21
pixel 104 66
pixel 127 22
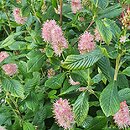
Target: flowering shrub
pixel 64 64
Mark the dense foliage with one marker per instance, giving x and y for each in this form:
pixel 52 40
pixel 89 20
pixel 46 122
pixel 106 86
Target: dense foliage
pixel 64 64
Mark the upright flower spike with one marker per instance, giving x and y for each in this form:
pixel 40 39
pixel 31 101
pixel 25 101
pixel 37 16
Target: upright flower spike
pixel 59 42
pixel 63 113
pixel 46 30
pixel 17 16
pixel 76 5
pixel 86 43
pixel 3 56
pixel 122 117
pixel 10 69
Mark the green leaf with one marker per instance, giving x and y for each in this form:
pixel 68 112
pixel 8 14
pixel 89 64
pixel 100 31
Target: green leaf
pixel 14 87
pixel 122 81
pixel 18 45
pixel 10 39
pixel 101 3
pixel 54 3
pixel 126 71
pixel 31 83
pixel 113 27
pixel 35 63
pixel 49 51
pixel 28 126
pixel 109 99
pixel 56 81
pixel 104 30
pixel 75 62
pixel 69 90
pixel 32 102
pixel 105 67
pixel 124 94
pixel 80 108
pixel 25 10
pixel 110 12
pixel 97 123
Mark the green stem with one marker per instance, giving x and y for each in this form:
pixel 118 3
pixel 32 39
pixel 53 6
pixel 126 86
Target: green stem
pixel 117 67
pixel 34 11
pixel 6 13
pixel 5 30
pixel 61 4
pixel 89 79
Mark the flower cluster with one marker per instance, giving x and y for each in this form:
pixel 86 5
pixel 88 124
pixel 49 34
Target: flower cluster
pixel 122 117
pixel 76 5
pixel 50 73
pixel 3 55
pixel 52 33
pixel 63 113
pixel 126 19
pixel 17 16
pixel 86 43
pixel 10 69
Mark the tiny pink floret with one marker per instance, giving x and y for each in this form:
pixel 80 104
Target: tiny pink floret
pixel 63 113
pixel 122 117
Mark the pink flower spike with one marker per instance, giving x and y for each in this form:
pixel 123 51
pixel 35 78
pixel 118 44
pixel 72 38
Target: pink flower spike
pixel 10 69
pixel 17 16
pixel 3 56
pixel 76 5
pixel 122 117
pixel 46 30
pixel 59 42
pixel 63 113
pixel 86 43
